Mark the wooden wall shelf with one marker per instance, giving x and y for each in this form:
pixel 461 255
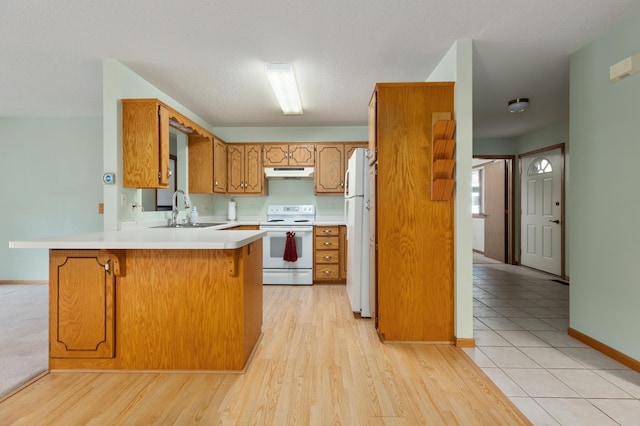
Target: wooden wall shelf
pixel 443 157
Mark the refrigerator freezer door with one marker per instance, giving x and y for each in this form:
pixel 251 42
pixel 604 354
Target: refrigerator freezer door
pixel 355 176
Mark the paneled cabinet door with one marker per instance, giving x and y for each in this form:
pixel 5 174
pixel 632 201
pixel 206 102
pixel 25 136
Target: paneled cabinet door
pixel 81 304
pixel 331 164
pixel 245 169
pixel 276 155
pixel 145 144
pixel 254 170
pixel 283 155
pixel 219 166
pixel 235 169
pixel 301 155
pixel 329 173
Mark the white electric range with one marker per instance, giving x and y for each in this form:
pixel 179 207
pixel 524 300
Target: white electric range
pixel 282 219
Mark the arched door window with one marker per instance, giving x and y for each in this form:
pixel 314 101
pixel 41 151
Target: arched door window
pixel 540 165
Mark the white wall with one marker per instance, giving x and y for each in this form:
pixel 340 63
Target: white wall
pixel 604 202
pixel 457 65
pixel 51 174
pixel 119 82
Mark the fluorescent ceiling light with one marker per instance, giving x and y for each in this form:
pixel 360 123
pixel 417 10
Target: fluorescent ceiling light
pixel 283 83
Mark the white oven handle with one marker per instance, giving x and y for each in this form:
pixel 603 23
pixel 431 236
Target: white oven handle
pixel 287 228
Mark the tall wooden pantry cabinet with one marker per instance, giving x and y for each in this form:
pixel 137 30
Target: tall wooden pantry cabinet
pixel 411 240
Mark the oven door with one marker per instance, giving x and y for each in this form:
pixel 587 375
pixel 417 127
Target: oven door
pixel 278 271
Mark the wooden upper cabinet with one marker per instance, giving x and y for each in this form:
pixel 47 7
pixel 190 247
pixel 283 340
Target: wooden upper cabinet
pixel 331 165
pixel 200 165
pixel 245 169
pixel 283 155
pixel 145 144
pixel 219 166
pixel 329 172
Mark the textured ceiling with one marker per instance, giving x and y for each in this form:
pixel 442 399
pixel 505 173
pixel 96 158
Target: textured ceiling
pixel 210 54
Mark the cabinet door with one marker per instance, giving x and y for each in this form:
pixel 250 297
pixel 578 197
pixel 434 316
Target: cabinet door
pixel 373 128
pixel 348 151
pixel 235 167
pixel 329 173
pixel 81 304
pixel 145 144
pixel 301 155
pixel 343 253
pixel 254 170
pixel 200 164
pixel 219 166
pixel 276 155
pixel 373 250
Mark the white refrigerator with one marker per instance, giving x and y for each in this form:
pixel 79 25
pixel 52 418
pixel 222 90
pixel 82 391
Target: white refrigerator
pixel 356 197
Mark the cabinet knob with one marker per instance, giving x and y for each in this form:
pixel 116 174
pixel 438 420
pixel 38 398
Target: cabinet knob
pixel 327 231
pixel 215 183
pixel 341 184
pixel 327 244
pixel 326 272
pixel 327 257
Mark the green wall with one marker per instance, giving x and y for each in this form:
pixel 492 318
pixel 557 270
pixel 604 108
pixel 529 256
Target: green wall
pixel 605 207
pixel 51 174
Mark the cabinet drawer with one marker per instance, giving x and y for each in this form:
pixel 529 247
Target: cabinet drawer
pixel 327 256
pixel 327 230
pixel 327 272
pixel 327 243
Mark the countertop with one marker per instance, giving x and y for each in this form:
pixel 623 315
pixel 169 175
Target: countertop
pixel 141 236
pixel 149 238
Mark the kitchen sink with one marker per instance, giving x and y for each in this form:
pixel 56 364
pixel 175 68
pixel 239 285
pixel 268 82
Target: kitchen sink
pixel 190 226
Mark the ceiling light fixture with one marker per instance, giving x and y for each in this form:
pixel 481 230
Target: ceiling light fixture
pixel 283 83
pixel 518 104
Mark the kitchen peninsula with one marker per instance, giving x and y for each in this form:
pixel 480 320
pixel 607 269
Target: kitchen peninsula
pixel 154 299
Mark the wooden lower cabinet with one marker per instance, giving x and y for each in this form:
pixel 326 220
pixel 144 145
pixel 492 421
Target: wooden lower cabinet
pixel 82 302
pixel 173 309
pixel 329 264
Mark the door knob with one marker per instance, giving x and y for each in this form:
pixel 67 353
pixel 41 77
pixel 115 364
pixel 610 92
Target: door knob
pixel 555 221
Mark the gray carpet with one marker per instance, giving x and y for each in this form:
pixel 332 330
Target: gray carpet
pixel 23 334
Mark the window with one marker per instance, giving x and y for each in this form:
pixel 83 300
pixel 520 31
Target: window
pixel 477 191
pixel 540 165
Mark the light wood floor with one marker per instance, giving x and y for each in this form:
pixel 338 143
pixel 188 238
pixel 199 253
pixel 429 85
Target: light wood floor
pixel 315 365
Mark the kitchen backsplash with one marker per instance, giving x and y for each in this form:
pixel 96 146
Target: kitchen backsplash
pixel 281 191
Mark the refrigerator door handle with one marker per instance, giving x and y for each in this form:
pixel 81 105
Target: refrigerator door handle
pixel 346 183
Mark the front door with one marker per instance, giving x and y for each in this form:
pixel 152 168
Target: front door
pixel 541 211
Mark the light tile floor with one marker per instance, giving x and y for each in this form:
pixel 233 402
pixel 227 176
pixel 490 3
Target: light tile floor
pixel 521 318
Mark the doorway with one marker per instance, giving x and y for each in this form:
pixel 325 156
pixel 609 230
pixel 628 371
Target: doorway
pixel 542 209
pixel 493 207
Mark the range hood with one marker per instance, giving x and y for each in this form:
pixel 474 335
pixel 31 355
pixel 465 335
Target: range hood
pixel 288 172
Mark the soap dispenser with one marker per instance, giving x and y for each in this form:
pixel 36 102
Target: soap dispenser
pixel 194 216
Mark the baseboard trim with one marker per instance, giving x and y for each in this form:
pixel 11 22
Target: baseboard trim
pixel 23 282
pixel 465 342
pixel 633 364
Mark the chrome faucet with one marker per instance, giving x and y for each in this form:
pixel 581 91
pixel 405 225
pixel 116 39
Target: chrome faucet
pixel 174 211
